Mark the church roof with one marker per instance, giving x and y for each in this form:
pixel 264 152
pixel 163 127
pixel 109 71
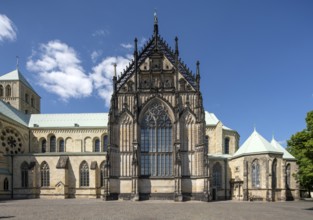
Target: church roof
pixel 68 120
pixel 14 114
pixel 16 75
pixel 212 120
pixel 156 43
pixel 286 154
pixel 256 144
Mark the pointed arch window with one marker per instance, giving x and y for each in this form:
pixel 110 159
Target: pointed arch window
pixel 6 184
pixel 274 174
pixel 226 150
pixel 156 142
pixel 24 175
pixel 255 172
pixel 8 91
pixel 43 146
pixel 52 144
pixel 217 175
pixel 84 174
pixel 97 145
pixel 105 143
pixel 1 91
pixel 288 176
pixel 45 174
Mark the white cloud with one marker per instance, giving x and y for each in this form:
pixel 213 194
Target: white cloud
pixel 142 41
pixel 101 33
pixel 102 75
pixel 7 29
pixel 59 70
pixel 95 55
pixel 127 46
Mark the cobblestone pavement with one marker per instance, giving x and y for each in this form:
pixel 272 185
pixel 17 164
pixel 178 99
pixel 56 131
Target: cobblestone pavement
pixel 45 209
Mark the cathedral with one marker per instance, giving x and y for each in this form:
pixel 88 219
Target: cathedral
pixel 156 142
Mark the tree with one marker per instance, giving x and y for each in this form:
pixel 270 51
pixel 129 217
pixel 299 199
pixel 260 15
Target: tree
pixel 300 146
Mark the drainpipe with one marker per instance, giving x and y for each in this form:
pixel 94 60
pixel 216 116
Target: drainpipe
pixel 225 167
pixel 11 176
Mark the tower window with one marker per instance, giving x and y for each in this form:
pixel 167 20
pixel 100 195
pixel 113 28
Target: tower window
pixel 61 145
pixel 1 91
pixel 226 147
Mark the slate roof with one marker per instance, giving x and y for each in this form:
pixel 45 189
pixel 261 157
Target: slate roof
pixel 256 144
pixel 14 114
pixel 286 154
pixel 16 75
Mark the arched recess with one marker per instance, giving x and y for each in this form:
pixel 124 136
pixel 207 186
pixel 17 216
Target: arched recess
pixel 288 175
pixel 156 138
pixel 1 91
pixel 274 174
pixel 96 144
pixel 217 175
pixel 88 144
pixel 69 145
pixel 126 133
pixel 24 174
pixel 188 141
pixel 102 174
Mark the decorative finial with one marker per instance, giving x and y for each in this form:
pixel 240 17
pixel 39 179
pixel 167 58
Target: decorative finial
pixel 198 68
pixel 17 62
pixel 176 46
pixel 254 127
pixel 136 45
pixel 155 16
pixel 114 64
pixel 156 28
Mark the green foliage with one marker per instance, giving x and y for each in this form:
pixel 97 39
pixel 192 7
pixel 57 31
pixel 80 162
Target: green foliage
pixel 300 146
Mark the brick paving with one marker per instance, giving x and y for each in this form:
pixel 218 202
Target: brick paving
pixel 45 209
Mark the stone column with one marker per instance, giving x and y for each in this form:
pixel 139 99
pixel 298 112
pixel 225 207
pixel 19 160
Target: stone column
pixel 135 162
pixel 106 190
pixel 245 183
pixel 283 181
pixel 178 188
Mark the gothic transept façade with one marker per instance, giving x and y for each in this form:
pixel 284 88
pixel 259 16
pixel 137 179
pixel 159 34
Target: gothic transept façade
pixel 156 142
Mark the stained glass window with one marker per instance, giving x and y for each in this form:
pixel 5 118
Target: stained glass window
pixel 156 142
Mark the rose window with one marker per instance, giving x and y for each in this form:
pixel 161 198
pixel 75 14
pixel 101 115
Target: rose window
pixel 11 141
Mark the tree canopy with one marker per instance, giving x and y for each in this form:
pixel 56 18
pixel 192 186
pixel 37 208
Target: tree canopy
pixel 300 146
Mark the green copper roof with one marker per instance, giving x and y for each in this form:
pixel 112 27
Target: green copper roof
pixel 212 120
pixel 16 75
pixel 68 120
pixel 256 144
pixel 11 112
pixel 286 154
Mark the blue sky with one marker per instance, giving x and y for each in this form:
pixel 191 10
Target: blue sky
pixel 256 57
